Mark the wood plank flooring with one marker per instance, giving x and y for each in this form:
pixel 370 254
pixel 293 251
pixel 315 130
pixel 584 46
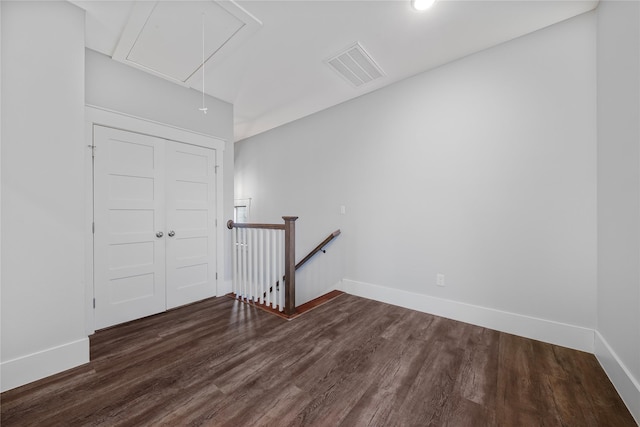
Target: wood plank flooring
pixel 349 362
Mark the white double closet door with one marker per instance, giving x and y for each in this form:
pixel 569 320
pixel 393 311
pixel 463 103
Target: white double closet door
pixel 154 215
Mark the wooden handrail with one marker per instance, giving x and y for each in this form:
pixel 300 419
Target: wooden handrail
pixel 231 224
pixel 318 248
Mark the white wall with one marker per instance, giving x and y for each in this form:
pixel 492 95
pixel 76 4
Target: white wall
pixel 0 185
pixel 483 170
pixel 43 153
pixel 618 337
pixel 42 184
pixel 118 87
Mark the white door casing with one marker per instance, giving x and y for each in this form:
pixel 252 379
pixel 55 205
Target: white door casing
pixel 155 221
pixel 191 213
pixel 129 267
pixel 100 117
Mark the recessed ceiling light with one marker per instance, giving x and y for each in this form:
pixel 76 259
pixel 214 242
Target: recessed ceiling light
pixel 421 5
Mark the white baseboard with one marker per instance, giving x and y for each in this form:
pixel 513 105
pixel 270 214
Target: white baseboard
pixel 575 337
pixel 224 287
pixel 35 366
pixel 627 386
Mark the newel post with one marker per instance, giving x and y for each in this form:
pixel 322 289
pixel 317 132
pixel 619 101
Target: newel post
pixel 290 264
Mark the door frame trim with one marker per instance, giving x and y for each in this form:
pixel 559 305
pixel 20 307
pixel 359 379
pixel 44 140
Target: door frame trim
pixel 99 116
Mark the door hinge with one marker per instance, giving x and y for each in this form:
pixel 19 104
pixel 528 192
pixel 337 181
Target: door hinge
pixel 94 303
pixel 93 150
pixel 216 276
pixel 93 227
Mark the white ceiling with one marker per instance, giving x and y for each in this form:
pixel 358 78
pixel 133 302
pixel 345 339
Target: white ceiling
pixel 278 73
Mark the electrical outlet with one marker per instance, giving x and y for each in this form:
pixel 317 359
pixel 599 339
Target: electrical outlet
pixel 343 209
pixel 440 279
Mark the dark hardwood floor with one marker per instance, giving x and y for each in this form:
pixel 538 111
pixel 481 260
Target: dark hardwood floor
pixel 349 362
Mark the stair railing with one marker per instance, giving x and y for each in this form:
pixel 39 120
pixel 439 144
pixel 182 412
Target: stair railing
pixel 262 254
pixel 318 248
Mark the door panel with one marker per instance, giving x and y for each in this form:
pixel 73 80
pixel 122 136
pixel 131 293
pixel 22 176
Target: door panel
pixel 191 209
pixel 129 263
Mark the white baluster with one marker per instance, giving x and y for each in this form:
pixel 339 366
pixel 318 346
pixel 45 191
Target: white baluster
pixel 274 279
pixel 239 292
pixel 281 261
pixel 249 260
pixel 261 266
pixel 240 260
pixel 254 265
pixel 234 263
pixel 284 260
pixel 243 264
pixel 268 261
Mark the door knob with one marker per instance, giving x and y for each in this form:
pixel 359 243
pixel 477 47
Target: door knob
pixel 172 233
pixel 159 234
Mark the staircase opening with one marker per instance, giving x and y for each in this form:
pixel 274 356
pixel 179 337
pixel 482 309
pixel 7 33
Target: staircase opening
pixel 264 266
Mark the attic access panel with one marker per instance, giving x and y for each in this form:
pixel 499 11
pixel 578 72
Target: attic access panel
pixel 165 37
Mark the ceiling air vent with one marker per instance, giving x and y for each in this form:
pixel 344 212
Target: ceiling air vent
pixel 355 65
